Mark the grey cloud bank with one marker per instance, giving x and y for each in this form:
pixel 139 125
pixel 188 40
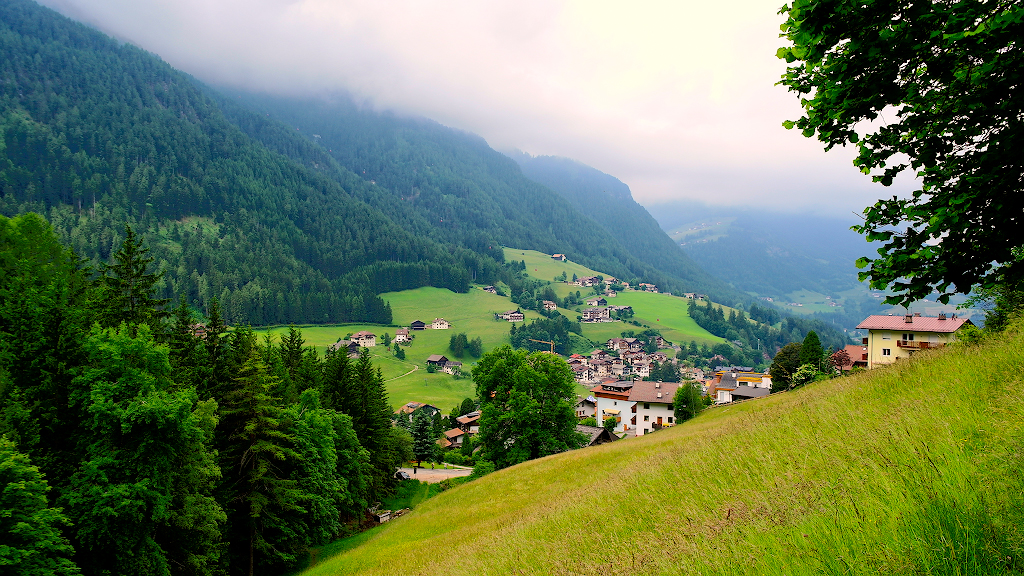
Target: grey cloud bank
pixel 657 94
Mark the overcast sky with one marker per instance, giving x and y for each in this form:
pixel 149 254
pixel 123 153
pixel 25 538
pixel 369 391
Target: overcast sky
pixel 675 98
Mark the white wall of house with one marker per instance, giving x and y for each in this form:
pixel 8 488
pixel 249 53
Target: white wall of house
pixel 724 396
pixel 647 414
pixel 625 408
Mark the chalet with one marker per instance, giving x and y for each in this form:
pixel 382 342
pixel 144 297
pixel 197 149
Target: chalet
pixel 642 368
pixel 586 281
pixel 437 361
pixel 198 330
pixel 455 437
pixel 658 357
pixel 621 308
pixel 469 422
pixel 410 408
pixel 417 325
pixel 621 370
pixel 585 407
pixel 512 316
pixel 490 289
pixel 615 344
pixel 559 257
pixel 648 287
pixel 365 339
pixel 351 348
pixel 583 373
pixel 661 342
pixel 599 355
pixel 601 368
pixel 549 305
pixel 595 435
pixel 440 324
pixel 613 402
pixel 596 315
pixel 452 366
pixel 652 408
pixel 402 335
pixel 597 302
pixel 891 338
pixel 610 293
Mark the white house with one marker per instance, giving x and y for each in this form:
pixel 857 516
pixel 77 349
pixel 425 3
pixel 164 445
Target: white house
pixel 654 409
pixel 402 335
pixel 613 402
pixel 440 324
pixel 365 339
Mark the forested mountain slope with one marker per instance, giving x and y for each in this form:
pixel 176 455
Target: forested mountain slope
pixel 236 205
pixel 609 201
pixel 96 134
pixel 452 187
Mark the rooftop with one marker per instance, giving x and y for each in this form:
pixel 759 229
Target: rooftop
pixel 915 324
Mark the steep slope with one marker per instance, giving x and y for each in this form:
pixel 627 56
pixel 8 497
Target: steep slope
pixel 609 202
pixel 893 471
pixel 95 134
pixel 452 187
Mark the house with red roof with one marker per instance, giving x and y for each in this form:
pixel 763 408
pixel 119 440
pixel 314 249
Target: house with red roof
pixel 891 338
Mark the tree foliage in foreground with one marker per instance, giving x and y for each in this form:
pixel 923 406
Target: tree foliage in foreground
pixel 940 83
pixel 526 406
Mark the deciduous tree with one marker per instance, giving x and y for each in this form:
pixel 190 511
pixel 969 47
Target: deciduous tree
pixel 933 88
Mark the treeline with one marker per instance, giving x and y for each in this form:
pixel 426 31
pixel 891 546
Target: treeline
pixel 162 447
pixel 737 327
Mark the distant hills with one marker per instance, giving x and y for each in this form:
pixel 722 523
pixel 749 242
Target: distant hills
pixel 610 203
pixel 285 210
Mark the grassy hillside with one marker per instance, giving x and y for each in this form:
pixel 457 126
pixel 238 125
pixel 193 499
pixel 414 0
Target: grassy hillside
pixel 912 469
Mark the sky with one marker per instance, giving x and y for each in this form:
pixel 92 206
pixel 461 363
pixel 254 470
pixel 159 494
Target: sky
pixel 675 98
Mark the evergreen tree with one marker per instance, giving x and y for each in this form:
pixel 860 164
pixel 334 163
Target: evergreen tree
pixel 265 506
pixel 130 290
pixel 422 436
pixel 811 351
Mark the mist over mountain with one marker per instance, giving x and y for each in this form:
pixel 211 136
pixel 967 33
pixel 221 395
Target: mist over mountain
pixel 285 210
pixel 609 202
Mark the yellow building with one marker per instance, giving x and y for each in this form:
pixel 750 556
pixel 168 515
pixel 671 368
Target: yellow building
pixel 891 338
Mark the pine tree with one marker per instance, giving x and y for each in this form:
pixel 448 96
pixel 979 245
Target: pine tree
pixel 422 439
pixel 129 290
pixel 265 506
pixel 811 351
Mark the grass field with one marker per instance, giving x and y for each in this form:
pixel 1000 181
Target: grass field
pixel 912 469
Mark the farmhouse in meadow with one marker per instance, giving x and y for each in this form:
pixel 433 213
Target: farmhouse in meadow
pixel 440 324
pixel 365 339
pixel 402 335
pixel 512 316
pixel 549 305
pixel 418 325
pixel 559 257
pixel 891 338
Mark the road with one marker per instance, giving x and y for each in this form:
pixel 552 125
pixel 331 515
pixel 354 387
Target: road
pixel 436 475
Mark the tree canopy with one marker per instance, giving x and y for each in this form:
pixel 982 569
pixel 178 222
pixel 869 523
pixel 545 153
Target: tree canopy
pixel 935 88
pixel 526 406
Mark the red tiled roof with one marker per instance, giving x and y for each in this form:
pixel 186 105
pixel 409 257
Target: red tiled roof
pixel 918 324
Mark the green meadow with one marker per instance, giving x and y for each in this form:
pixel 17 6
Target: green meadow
pixel 911 469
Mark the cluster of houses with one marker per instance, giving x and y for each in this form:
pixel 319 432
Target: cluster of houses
pixel 437 324
pixel 630 360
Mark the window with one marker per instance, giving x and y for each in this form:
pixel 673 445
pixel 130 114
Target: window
pixel 647 418
pixel 909 337
pixel 615 403
pixel 670 408
pixel 669 419
pixel 886 352
pixel 647 405
pixel 886 336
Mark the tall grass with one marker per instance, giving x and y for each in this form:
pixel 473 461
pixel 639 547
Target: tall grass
pixel 912 469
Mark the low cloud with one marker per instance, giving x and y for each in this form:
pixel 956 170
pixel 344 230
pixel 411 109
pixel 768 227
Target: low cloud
pixel 677 99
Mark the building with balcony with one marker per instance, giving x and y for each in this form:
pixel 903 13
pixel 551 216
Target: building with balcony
pixel 891 338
